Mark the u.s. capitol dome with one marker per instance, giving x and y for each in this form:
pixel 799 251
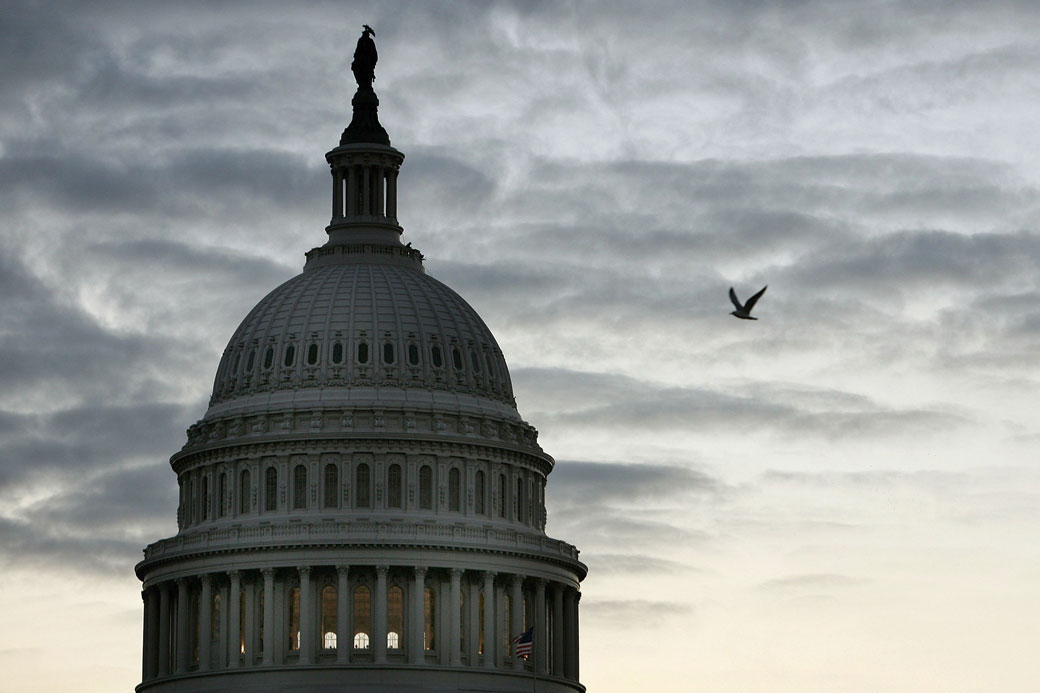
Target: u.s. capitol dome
pixel 361 506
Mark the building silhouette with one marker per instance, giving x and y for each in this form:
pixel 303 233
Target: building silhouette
pixel 362 506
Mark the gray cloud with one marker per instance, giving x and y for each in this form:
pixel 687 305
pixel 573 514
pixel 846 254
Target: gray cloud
pixel 634 613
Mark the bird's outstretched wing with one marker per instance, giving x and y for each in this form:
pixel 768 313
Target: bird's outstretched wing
pixel 733 298
pixel 754 299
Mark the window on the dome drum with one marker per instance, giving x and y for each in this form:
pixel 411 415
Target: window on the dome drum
pixel 271 490
pixel 520 504
pixel 205 497
pixel 300 487
pixel 393 486
pixel 290 356
pixel 453 489
pixel 480 623
pixel 337 352
pixel 312 354
pixel 388 353
pixel 269 357
pixel 193 611
pixel 501 495
pixel 394 617
pixel 331 486
pixel 243 492
pixel 328 617
pixel 456 358
pixel 214 618
pixel 435 356
pixel 250 360
pixel 462 621
pixel 362 352
pixel 362 617
pixel 426 488
pixel 413 355
pixel 221 494
pixel 478 492
pixel 474 360
pixel 260 619
pixel 294 619
pixel 507 621
pixel 430 619
pixel 363 482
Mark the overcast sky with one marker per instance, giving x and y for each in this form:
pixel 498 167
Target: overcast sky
pixel 842 496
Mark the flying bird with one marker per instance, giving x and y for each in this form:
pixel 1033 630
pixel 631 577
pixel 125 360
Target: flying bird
pixel 744 311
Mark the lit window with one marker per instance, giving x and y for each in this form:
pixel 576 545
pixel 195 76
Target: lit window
pixel 430 617
pixel 328 617
pixel 362 616
pixel 394 617
pixel 294 618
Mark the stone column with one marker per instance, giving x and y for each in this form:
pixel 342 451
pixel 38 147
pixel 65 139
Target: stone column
pixel 234 610
pixel 268 574
pixel 540 635
pixel 489 619
pixel 344 602
pixel 249 657
pixel 205 622
pixel 577 643
pixel 516 604
pixel 570 611
pixel 455 631
pixel 379 616
pixel 183 604
pixel 149 646
pixel 306 614
pixel 418 616
pixel 391 194
pixel 163 667
pixel 557 630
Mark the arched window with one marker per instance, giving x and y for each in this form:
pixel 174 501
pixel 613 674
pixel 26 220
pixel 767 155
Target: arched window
pixel 250 360
pixel 222 494
pixel 413 355
pixel 312 354
pixel 243 492
pixel 269 357
pixel 478 492
pixel 520 504
pixel 337 352
pixel 300 487
pixel 502 495
pixel 393 486
pixel 328 617
pixel 394 617
pixel 362 352
pixel 290 356
pixel 241 621
pixel 454 489
pixel 456 358
pixel 271 490
pixel 364 483
pixel 430 616
pixel 205 497
pixel 388 353
pixel 331 486
pixel 426 487
pixel 294 618
pixel 435 356
pixel 362 617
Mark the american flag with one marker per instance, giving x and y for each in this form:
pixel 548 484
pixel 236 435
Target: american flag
pixel 523 643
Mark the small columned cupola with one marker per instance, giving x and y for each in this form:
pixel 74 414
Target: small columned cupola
pixel 364 166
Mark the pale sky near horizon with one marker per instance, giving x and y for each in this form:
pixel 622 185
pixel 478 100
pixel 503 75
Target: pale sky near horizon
pixel 842 496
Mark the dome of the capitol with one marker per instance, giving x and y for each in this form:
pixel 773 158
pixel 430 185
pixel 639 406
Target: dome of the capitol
pixel 362 506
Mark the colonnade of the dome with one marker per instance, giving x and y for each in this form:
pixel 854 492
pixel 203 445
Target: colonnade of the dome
pixel 358 615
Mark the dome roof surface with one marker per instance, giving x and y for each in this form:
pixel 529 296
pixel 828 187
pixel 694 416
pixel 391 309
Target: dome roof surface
pixel 363 325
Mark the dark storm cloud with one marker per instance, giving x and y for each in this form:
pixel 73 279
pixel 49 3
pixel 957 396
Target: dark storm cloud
pixel 601 400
